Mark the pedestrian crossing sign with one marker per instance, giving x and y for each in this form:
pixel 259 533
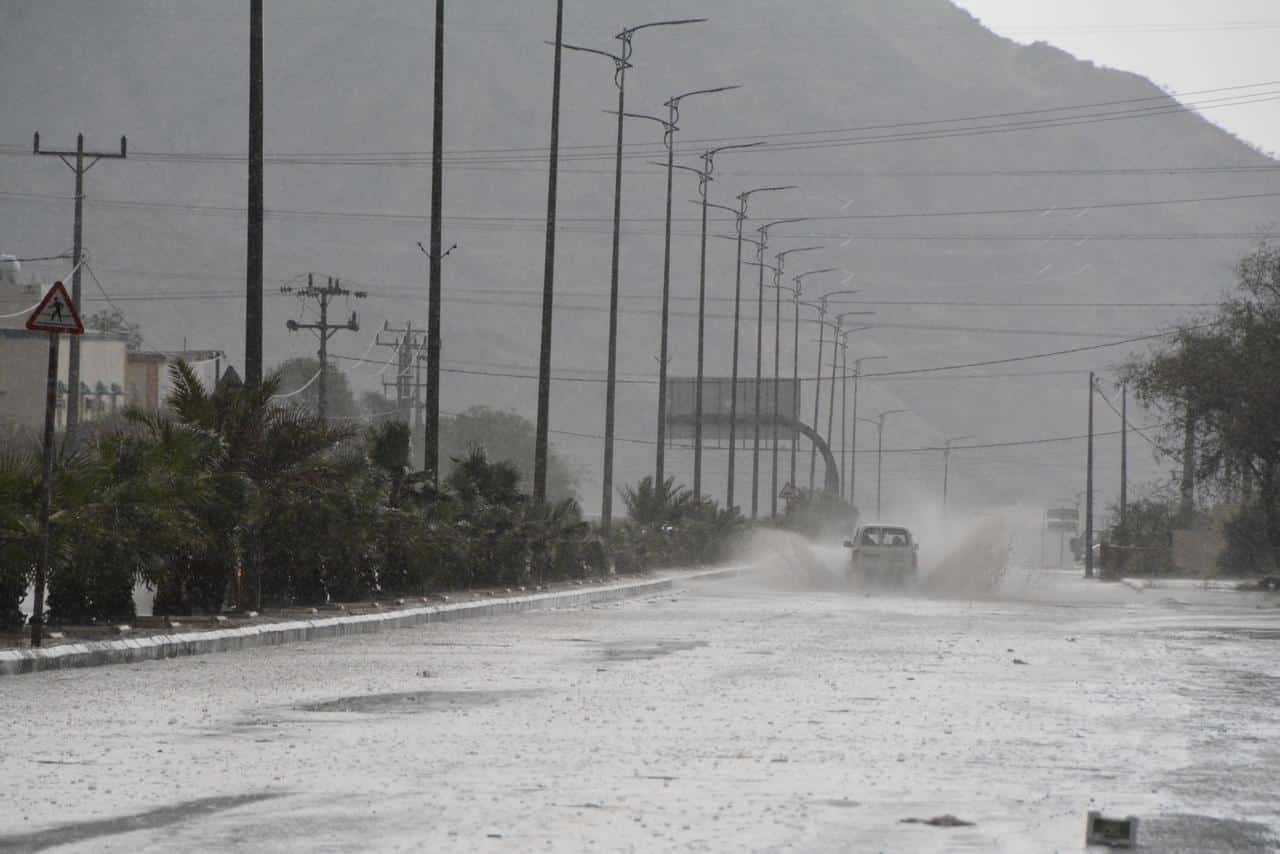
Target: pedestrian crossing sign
pixel 56 313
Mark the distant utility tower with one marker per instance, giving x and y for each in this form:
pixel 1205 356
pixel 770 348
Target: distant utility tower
pixel 408 344
pixel 324 329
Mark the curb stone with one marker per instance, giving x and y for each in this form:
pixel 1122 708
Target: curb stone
pixel 125 651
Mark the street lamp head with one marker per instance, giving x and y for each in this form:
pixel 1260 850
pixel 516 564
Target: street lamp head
pixel 782 256
pixel 712 152
pixel 765 265
pixel 619 61
pixel 827 296
pixel 809 273
pixel 764 229
pixel 674 100
pixel 665 124
pixel 745 195
pixel 724 208
pixel 627 33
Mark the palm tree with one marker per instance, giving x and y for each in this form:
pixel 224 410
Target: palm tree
pixel 661 506
pixel 267 460
pixel 19 531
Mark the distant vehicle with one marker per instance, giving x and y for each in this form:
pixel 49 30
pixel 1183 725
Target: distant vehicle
pixel 883 555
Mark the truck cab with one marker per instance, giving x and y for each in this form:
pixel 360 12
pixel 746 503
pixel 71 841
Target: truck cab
pixel 883 555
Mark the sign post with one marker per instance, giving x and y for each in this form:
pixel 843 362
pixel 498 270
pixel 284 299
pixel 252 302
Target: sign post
pixel 55 315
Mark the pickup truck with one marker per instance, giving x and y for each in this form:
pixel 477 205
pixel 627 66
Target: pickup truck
pixel 883 555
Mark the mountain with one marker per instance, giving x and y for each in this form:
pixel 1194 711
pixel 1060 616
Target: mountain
pixel 871 107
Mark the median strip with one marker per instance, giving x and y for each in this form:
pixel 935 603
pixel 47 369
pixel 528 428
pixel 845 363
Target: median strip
pixel 149 648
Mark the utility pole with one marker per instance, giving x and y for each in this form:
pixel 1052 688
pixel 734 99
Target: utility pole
pixel 853 440
pixel 946 467
pixel 75 161
pixel 1124 459
pixel 880 419
pixel 431 430
pixel 548 280
pixel 844 413
pixel 324 329
pixel 254 240
pixel 1187 504
pixel 1088 492
pixel 407 343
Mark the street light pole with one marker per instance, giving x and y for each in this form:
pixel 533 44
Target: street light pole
pixel 780 258
pixel 763 243
pixel 621 63
pixel 817 387
pixel 853 440
pixel 880 419
pixel 743 200
pixel 797 293
pixel 672 125
pixel 705 176
pixel 755 418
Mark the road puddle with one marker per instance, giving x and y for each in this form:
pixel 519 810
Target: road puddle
pixel 414 701
pixel 647 650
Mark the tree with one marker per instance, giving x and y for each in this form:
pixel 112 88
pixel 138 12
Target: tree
pixel 654 506
pixel 270 458
pixel 1220 376
pixel 114 320
pixel 295 374
pixel 503 436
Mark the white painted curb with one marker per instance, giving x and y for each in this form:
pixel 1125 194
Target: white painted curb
pixel 95 653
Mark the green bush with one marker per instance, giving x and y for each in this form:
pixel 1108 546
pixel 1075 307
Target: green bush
pixel 1248 550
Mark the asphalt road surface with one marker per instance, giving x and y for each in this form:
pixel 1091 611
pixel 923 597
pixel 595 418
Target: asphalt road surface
pixel 725 716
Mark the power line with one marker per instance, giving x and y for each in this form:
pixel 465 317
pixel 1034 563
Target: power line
pixel 394 216
pixel 514 155
pixel 881 374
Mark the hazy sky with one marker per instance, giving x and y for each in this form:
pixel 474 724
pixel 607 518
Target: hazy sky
pixel 1183 45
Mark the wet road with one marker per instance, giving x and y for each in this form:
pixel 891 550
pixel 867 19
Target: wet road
pixel 722 717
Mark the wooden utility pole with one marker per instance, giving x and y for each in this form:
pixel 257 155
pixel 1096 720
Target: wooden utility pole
pixel 254 244
pixel 75 161
pixel 324 329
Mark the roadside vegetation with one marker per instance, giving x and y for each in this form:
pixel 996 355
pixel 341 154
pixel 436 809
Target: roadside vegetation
pixel 1215 385
pixel 227 500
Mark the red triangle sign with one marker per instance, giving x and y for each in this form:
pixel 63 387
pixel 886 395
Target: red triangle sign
pixel 56 313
